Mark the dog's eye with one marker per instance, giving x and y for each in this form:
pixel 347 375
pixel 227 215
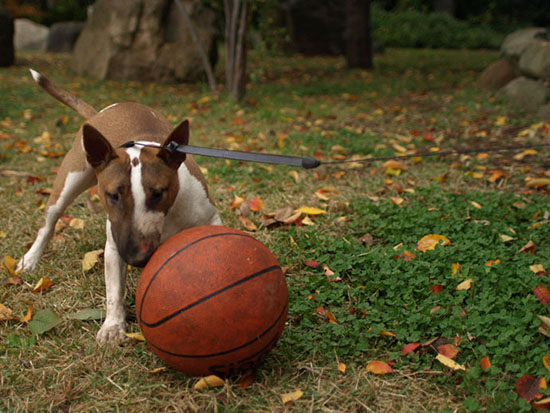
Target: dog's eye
pixel 156 194
pixel 113 197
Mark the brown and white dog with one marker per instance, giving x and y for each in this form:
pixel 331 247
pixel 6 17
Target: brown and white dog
pixel 149 194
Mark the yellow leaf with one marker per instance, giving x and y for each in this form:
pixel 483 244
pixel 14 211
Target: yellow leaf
pixel 396 200
pixel 396 165
pixel 290 397
pixel 464 285
pixel 387 333
pixel 310 211
pixel 475 204
pixel 429 242
pixel 538 182
pixel 43 284
pixel 295 175
pixel 455 267
pixel 236 202
pixel 208 382
pixel 308 221
pixel 77 223
pixel 157 370
pixel 248 224
pixel 501 121
pixel 446 361
pixel 505 238
pixel 90 259
pixel 537 268
pixel 11 265
pixel 203 100
pixel 2 234
pixel 5 313
pixel 27 317
pixel 342 368
pixel 135 336
pixel 546 361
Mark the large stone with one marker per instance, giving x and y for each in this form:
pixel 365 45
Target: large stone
pixel 7 55
pixel 515 43
pixel 535 60
pixel 62 36
pixel 525 93
pixel 30 35
pixel 498 74
pixel 144 40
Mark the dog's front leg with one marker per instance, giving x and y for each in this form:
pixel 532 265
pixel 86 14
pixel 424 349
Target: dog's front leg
pixel 114 327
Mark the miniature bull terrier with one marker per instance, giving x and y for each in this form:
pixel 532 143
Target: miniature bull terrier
pixel 149 194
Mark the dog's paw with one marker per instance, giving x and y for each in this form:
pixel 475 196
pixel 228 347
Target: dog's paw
pixel 26 265
pixel 112 332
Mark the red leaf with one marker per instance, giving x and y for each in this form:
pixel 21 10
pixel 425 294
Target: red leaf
pixel 448 350
pixel 436 288
pixel 485 363
pixel 542 294
pixel 528 387
pixel 311 263
pixel 409 348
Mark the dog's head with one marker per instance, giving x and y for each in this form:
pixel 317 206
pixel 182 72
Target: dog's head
pixel 137 187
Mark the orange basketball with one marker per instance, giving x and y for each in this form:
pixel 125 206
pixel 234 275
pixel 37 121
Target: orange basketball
pixel 212 300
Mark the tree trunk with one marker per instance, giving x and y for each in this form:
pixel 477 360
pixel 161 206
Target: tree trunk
pixel 358 34
pixel 236 19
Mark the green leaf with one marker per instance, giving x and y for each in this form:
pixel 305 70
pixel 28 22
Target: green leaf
pixel 44 320
pixel 87 314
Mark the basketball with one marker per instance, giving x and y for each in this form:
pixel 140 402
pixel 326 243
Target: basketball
pixel 212 300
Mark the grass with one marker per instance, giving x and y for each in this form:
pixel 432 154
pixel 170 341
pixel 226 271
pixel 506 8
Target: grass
pixel 414 99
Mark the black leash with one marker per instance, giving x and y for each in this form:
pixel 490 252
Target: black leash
pixel 308 162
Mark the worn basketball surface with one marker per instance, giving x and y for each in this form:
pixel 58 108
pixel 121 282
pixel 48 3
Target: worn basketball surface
pixel 212 300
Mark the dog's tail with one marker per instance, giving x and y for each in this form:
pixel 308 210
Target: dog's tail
pixel 79 106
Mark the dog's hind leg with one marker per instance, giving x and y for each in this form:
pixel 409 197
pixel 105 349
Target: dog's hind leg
pixel 66 188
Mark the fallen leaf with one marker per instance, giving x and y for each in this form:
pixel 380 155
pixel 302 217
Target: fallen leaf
pixel 492 262
pixel 395 165
pixel 446 361
pixel 464 285
pixel 27 317
pixel 11 265
pixel 505 238
pixel 542 294
pixel 43 284
pixel 546 361
pixel 135 336
pixel 430 241
pixel 475 204
pixel 236 202
pixel 310 211
pixel 248 224
pixel 295 175
pixel 529 247
pixel 387 333
pixel 90 259
pixel 436 288
pixel 157 370
pixel 396 200
pixel 538 269
pixel 448 350
pixel 6 313
pixel 291 397
pixel 329 273
pixel 409 348
pixel 77 223
pixel 44 320
pixel 293 219
pixel 379 367
pixel 538 182
pixel 485 363
pixel 311 263
pixel 543 404
pixel 544 328
pixel 330 317
pixel 342 368
pixel 256 204
pixel 208 382
pixel 455 267
pixel 528 387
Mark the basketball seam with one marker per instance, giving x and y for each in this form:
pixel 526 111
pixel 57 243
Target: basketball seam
pixel 180 251
pixel 209 296
pixel 221 353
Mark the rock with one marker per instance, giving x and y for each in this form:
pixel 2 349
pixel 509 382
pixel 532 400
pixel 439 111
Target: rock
pixel 7 54
pixel 62 36
pixel 544 112
pixel 498 74
pixel 535 60
pixel 30 35
pixel 515 43
pixel 525 93
pixel 144 40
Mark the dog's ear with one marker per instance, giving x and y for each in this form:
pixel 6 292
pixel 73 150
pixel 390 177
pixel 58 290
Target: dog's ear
pixel 99 151
pixel 179 135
